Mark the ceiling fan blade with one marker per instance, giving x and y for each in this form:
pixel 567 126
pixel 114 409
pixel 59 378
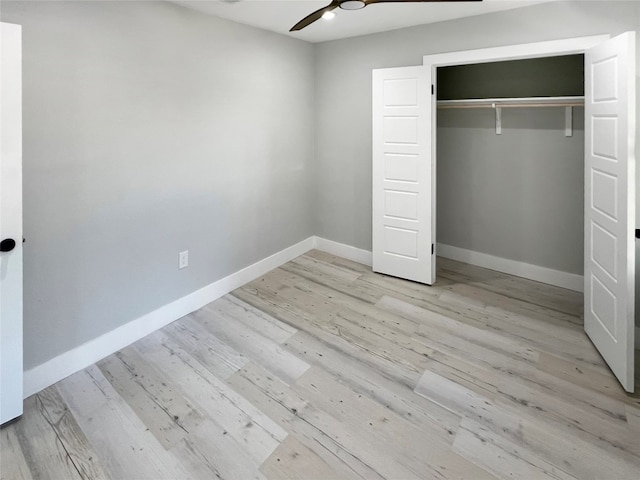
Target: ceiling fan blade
pixel 309 19
pixel 367 2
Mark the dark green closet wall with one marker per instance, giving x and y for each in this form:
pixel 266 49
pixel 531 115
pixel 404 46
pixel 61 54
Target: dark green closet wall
pixel 549 76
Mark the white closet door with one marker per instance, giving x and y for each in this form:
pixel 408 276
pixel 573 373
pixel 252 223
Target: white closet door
pixel 403 181
pixel 610 202
pixel 10 223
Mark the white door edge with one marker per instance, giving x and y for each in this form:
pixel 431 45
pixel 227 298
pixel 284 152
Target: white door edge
pixel 11 363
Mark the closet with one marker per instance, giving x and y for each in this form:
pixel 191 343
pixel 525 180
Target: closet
pixel 522 180
pixel 510 167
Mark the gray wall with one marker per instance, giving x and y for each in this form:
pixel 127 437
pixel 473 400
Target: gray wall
pixel 519 195
pixel 343 93
pixel 150 129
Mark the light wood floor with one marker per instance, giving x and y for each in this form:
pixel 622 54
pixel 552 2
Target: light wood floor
pixel 322 369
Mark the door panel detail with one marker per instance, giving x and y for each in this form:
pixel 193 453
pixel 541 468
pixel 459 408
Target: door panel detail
pixel 609 269
pixel 402 173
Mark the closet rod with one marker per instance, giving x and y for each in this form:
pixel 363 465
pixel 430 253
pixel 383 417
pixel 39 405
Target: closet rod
pixel 512 105
pixel 497 104
pixel 574 101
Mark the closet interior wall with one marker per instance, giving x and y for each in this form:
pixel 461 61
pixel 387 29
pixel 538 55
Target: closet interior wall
pixel 518 195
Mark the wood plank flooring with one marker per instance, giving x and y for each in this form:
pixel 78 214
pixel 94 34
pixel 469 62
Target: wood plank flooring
pixel 322 369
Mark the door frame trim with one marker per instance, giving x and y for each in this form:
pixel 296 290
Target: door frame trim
pixel 552 48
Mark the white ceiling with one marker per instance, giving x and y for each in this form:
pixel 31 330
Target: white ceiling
pixel 280 15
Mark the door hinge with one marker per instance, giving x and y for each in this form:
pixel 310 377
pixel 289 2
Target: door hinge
pixel 433 248
pixel 637 232
pixel 432 90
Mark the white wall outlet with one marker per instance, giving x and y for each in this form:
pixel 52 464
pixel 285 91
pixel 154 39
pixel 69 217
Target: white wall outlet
pixel 183 259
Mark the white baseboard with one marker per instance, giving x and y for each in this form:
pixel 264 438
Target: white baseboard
pixel 345 251
pixel 558 278
pixel 54 370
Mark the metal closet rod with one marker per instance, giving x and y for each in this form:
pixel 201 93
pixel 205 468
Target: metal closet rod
pixel 513 102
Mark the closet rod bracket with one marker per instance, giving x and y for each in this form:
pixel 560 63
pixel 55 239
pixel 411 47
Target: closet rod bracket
pixel 568 121
pixel 498 110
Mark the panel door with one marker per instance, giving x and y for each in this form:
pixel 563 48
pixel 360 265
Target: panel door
pixel 403 180
pixel 610 202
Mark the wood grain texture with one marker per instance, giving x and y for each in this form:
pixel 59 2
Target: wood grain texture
pixel 78 448
pixel 501 456
pixel 13 464
pixel 258 434
pixel 40 446
pixel 125 444
pixel 322 369
pixel 167 414
pixel 293 460
pixel 219 318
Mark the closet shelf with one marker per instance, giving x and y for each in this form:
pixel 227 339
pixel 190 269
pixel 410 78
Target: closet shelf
pixel 499 103
pixel 576 101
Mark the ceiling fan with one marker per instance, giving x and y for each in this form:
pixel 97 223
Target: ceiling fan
pixel 354 5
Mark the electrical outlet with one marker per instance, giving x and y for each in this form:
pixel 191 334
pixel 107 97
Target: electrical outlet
pixel 183 259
